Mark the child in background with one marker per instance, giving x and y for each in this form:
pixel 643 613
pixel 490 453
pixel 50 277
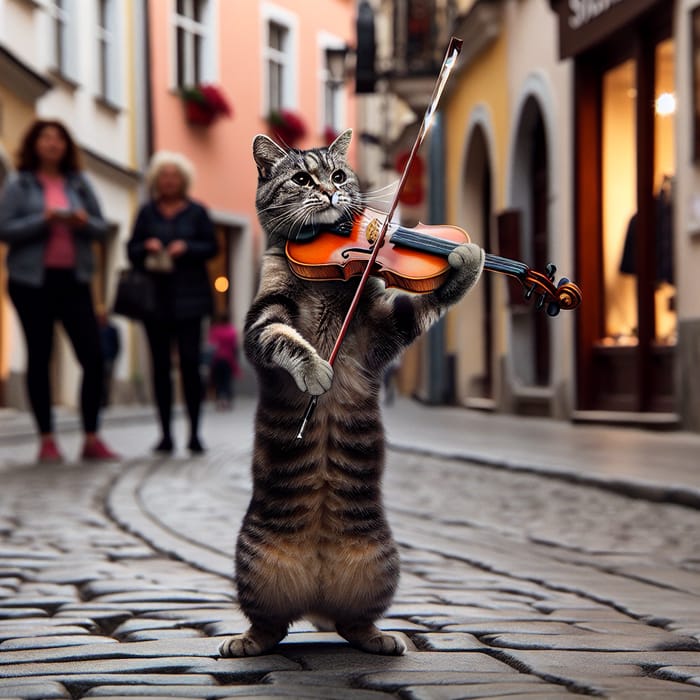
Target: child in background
pixel 223 343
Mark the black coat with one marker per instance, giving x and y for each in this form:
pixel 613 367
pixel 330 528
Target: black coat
pixel 186 291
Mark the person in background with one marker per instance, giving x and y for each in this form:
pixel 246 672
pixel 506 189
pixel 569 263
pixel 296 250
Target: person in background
pixel 172 239
pixel 111 345
pixel 223 342
pixel 49 217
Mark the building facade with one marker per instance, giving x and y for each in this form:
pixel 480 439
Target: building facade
pixel 570 135
pixel 79 63
pixel 265 57
pixel 115 72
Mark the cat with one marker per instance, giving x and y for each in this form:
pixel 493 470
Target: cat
pixel 315 542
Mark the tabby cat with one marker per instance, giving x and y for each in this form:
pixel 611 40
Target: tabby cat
pixel 315 542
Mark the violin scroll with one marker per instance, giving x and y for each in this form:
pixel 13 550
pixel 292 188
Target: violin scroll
pixel 563 295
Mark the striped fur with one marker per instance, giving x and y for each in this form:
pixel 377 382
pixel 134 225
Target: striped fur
pixel 315 541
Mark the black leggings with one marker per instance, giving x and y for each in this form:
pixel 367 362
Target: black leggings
pixel 60 298
pixel 188 334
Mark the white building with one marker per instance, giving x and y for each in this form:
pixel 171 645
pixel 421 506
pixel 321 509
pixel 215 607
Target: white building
pixel 79 62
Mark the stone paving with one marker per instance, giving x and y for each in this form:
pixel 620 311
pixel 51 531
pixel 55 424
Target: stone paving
pixel 115 581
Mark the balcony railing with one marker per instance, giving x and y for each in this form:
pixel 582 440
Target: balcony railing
pixel 421 30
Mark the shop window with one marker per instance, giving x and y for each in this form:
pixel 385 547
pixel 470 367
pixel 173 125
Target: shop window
pixel 619 163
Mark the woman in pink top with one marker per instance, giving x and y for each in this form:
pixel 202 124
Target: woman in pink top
pixel 49 217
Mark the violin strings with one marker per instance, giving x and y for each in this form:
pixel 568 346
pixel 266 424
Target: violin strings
pixel 439 246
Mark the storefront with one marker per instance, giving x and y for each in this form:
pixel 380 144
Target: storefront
pixel 624 152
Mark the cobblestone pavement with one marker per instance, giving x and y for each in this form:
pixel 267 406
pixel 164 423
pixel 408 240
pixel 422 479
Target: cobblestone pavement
pixel 115 581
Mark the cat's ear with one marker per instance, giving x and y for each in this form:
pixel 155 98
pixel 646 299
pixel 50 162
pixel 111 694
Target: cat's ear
pixel 266 153
pixel 341 144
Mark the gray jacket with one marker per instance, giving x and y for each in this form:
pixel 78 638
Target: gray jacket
pixel 23 228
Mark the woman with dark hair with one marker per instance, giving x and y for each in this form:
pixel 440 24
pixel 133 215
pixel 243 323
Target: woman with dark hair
pixel 49 217
pixel 173 237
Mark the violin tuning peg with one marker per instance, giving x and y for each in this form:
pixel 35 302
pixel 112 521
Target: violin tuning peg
pixel 550 270
pixel 540 302
pixel 553 309
pixel 529 292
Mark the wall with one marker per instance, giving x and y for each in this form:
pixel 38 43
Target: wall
pixel 479 97
pixel 687 226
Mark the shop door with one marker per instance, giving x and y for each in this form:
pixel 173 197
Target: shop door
pixel 627 343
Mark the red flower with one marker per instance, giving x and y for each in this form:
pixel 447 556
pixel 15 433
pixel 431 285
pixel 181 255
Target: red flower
pixel 287 127
pixel 204 104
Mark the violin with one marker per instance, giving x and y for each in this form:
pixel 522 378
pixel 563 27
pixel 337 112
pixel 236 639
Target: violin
pixel 414 259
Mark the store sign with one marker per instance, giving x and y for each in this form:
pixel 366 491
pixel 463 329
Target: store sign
pixel 584 23
pixel 585 11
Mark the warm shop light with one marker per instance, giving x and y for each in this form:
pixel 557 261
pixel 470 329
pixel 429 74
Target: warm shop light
pixel 666 104
pixel 221 284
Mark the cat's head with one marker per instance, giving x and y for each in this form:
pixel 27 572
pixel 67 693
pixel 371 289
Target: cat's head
pixel 300 191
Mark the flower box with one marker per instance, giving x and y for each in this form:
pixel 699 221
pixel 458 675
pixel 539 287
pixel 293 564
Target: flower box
pixel 204 104
pixel 287 127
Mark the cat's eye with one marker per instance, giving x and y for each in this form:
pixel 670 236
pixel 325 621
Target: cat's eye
pixel 339 177
pixel 302 179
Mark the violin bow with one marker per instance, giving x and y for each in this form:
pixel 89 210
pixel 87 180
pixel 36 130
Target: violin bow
pixel 453 50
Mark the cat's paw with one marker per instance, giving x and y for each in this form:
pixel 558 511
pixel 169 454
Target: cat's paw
pixel 240 645
pixel 313 375
pixel 466 255
pixel 468 261
pixel 386 644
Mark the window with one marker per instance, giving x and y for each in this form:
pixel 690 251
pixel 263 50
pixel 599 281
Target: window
pixel 107 52
pixel 277 57
pixel 59 35
pixel 332 87
pixel 192 42
pixel 279 64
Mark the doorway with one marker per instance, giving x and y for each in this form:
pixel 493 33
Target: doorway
pixel 475 311
pixel 530 200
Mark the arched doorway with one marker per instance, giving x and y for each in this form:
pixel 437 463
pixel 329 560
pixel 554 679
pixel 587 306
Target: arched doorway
pixel 475 312
pixel 531 363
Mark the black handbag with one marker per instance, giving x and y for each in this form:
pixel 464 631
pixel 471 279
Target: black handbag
pixel 136 295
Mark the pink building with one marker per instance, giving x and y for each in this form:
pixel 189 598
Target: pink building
pixel 264 57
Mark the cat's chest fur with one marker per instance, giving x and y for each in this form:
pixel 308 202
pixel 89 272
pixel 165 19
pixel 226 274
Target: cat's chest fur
pixel 322 310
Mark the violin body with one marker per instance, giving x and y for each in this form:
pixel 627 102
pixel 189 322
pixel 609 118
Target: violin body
pixel 335 257
pixel 414 259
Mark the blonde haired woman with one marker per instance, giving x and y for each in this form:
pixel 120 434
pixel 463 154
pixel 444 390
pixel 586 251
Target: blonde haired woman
pixel 172 239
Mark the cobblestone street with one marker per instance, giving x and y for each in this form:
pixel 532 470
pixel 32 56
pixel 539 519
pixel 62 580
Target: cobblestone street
pixel 116 581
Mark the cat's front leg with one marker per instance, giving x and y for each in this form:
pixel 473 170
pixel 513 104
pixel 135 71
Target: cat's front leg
pixel 290 351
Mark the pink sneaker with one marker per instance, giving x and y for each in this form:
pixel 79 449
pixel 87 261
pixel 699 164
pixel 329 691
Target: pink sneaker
pixel 49 452
pixel 97 450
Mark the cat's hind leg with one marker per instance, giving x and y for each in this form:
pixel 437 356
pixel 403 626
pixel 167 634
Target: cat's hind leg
pixel 368 637
pixel 260 638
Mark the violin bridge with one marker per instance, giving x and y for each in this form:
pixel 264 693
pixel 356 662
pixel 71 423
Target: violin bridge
pixel 372 231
